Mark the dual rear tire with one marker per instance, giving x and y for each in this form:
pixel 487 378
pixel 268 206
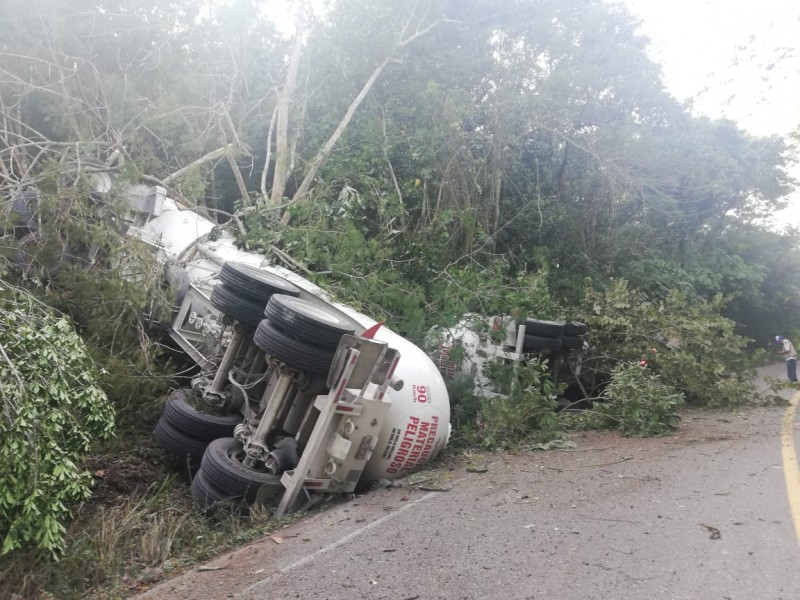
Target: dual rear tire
pixel 186 431
pixel 553 336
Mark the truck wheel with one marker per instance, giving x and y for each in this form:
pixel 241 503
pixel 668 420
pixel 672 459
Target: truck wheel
pixel 179 413
pixel 575 329
pixel 569 342
pixel 296 354
pixel 307 321
pixel 178 442
pixel 223 469
pixel 208 497
pixel 534 343
pixel 254 283
pixel 248 312
pixel 178 280
pixel 552 329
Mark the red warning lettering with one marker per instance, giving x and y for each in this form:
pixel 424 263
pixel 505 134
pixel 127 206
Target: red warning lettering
pixel 416 444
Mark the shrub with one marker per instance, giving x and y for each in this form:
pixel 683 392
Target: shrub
pixel 525 414
pixel 638 403
pixel 686 341
pixel 53 409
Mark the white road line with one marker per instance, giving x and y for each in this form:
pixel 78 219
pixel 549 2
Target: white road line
pixel 790 468
pixel 336 544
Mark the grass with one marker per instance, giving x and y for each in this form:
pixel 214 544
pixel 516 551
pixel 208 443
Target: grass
pixel 140 526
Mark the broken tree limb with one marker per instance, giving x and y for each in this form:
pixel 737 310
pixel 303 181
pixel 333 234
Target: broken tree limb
pixel 237 173
pixel 327 148
pixel 214 155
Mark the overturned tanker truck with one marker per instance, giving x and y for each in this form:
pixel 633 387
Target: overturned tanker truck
pixel 298 397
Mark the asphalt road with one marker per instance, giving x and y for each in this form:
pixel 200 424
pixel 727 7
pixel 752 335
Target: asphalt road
pixel 705 513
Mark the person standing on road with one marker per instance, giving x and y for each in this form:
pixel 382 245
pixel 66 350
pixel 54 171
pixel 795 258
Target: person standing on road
pixel 787 350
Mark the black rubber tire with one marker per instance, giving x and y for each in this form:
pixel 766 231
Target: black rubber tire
pixel 248 312
pixel 571 342
pixel 534 343
pixel 254 283
pixel 179 413
pixel 223 469
pixel 314 384
pixel 575 329
pixel 296 354
pixel 209 497
pixel 551 329
pixel 307 321
pixel 178 442
pixel 178 280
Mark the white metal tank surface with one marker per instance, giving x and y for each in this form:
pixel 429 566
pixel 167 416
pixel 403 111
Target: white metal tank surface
pixel 418 424
pixel 175 230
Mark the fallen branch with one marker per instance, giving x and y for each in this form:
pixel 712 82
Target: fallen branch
pixel 219 153
pixel 237 173
pixel 613 462
pixel 288 260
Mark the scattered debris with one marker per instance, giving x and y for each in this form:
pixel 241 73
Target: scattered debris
pixel 206 568
pixel 715 533
pixel 434 488
pixel 477 469
pixel 276 538
pixel 613 462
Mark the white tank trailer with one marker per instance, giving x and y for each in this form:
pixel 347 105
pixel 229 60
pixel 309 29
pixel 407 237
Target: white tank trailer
pixel 298 396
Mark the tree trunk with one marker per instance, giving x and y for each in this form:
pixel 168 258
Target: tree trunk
pixel 282 153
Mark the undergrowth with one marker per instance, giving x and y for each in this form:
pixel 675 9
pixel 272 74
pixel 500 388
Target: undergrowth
pixel 141 526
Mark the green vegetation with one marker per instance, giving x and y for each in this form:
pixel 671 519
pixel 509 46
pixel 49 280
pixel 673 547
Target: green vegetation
pixel 638 404
pixel 53 409
pixel 421 161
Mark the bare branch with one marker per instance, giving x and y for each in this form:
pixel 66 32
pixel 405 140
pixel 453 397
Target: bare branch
pixel 216 154
pixel 327 148
pixel 325 151
pixel 237 173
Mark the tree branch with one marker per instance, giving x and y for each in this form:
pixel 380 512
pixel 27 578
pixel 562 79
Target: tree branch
pixel 218 153
pixel 237 173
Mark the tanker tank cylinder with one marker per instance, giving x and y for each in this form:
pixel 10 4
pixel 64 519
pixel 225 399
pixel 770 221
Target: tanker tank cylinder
pixel 416 427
